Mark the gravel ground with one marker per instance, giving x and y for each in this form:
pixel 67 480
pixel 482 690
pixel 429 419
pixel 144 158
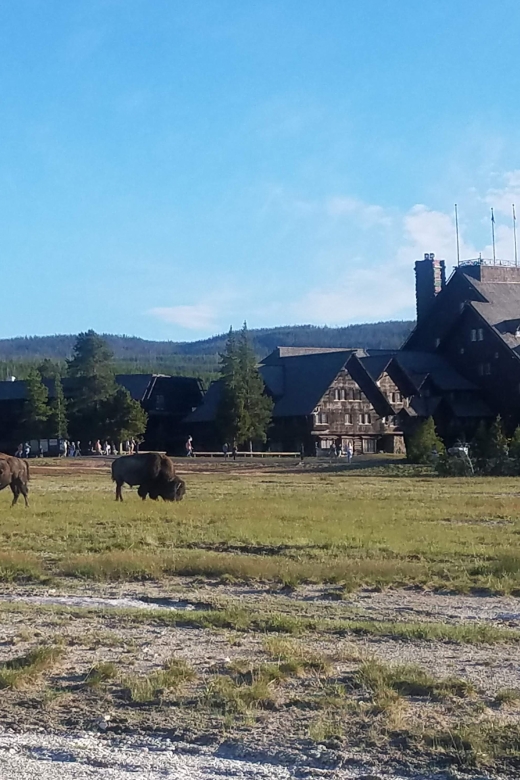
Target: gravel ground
pixel 82 757
pixel 57 737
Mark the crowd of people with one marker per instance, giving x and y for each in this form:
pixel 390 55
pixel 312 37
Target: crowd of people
pixel 73 449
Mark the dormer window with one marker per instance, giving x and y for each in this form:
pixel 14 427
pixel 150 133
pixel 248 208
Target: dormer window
pixel 480 334
pixel 473 334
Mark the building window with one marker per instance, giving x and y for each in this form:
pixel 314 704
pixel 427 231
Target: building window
pixel 437 342
pixel 343 394
pixel 487 369
pixel 396 398
pixel 473 335
pixel 159 403
pixel 336 395
pixel 480 334
pixel 497 355
pixel 348 419
pixel 461 350
pixel 365 419
pixel 322 418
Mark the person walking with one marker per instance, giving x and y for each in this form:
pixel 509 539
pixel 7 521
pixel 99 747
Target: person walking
pixel 225 450
pixel 234 450
pixel 350 452
pixel 189 447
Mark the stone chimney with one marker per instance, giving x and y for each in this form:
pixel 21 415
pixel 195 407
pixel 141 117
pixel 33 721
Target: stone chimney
pixel 430 278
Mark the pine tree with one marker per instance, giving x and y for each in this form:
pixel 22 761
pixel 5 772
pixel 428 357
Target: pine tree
pixel 124 418
pixel 58 422
pixel 479 446
pixel 514 445
pixel 35 411
pixel 497 447
pixel 422 444
pixel 91 365
pixel 227 412
pixel 245 411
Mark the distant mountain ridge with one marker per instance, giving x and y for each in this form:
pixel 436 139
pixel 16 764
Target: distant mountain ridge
pixel 373 335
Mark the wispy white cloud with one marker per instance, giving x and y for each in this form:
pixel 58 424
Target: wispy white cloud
pixel 502 197
pixel 200 316
pixel 368 214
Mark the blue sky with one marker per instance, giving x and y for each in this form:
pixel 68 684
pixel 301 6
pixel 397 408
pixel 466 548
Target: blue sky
pixel 171 168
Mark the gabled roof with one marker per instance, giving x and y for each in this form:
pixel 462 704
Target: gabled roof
pixel 375 365
pixel 207 411
pixel 306 377
pixel 136 384
pixel 419 365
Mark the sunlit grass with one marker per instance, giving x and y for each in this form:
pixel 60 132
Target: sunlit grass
pixel 286 526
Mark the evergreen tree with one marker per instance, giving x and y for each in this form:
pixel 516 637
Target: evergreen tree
pixel 91 365
pixel 244 411
pixel 514 445
pixel 227 413
pixel 479 447
pixel 497 447
pixel 58 423
pixel 35 411
pixel 124 418
pixel 49 369
pixel 422 444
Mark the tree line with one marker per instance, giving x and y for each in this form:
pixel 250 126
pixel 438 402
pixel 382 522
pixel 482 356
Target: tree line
pixel 95 406
pixel 372 335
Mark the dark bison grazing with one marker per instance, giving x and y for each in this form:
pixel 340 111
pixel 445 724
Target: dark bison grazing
pixel 14 472
pixel 173 490
pixel 152 472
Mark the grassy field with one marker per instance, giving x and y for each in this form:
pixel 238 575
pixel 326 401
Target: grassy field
pixel 283 523
pixel 409 678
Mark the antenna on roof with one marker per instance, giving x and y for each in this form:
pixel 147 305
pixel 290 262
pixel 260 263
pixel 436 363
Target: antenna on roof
pixel 493 236
pixel 457 232
pixel 514 234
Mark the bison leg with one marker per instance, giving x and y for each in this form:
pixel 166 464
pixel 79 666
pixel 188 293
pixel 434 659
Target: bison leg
pixel 16 493
pixel 119 492
pixel 25 493
pixel 142 491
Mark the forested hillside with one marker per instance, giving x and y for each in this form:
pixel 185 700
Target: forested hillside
pixel 197 358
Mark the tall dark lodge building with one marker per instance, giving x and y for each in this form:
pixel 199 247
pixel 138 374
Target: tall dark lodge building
pixel 460 365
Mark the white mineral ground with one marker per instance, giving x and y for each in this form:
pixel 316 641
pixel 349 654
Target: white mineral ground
pixel 36 753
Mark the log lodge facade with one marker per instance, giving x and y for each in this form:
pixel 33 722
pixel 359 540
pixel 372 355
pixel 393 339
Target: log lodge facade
pixel 460 365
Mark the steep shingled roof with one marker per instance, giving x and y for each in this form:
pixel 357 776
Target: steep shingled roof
pixel 306 377
pixel 419 365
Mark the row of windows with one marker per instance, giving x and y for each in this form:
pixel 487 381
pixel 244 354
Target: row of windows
pixel 364 418
pixel 341 394
pixel 477 334
pixel 484 369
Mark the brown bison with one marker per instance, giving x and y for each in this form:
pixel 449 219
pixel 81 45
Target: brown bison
pixel 152 472
pixel 173 490
pixel 14 472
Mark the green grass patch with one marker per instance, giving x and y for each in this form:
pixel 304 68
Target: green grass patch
pixel 377 527
pixel 23 670
pixel 149 688
pixel 408 680
pixel 480 744
pixel 101 673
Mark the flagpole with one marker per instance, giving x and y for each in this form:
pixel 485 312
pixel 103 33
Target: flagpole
pixel 493 236
pixel 514 234
pixel 457 231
